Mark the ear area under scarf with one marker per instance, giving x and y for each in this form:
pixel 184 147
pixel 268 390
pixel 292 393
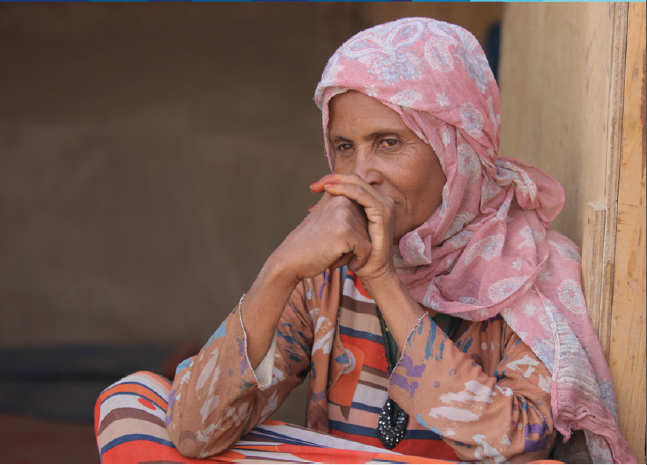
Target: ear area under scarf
pixel 328 94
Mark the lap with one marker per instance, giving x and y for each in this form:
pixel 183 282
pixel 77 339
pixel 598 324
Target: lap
pixel 130 426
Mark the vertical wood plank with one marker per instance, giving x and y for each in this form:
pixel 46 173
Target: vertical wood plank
pixel 562 96
pixel 616 99
pixel 573 103
pixel 627 338
pixel 592 259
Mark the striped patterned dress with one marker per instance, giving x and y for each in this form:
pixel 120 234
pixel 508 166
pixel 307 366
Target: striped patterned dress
pixel 485 394
pixel 356 400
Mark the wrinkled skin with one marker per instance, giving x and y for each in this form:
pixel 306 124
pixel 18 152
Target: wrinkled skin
pixel 385 183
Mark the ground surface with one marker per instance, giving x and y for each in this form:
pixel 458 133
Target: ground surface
pixel 25 439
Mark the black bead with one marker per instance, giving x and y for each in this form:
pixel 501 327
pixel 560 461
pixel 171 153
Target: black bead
pixel 391 424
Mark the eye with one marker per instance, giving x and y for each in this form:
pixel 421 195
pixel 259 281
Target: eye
pixel 389 142
pixel 343 148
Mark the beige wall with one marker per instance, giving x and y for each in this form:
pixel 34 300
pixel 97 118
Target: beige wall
pixel 154 155
pixel 151 159
pixel 556 72
pixel 573 102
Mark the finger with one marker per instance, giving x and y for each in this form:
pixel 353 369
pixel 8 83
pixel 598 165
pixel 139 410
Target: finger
pixel 359 194
pixel 331 180
pixel 362 250
pixel 334 178
pixel 357 263
pixel 355 188
pixel 332 202
pixel 318 186
pixel 379 214
pixel 343 260
pixel 355 259
pixel 358 243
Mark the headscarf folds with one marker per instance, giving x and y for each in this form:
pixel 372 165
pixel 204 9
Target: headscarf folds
pixel 487 249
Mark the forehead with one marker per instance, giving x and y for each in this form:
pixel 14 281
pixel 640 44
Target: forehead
pixel 353 111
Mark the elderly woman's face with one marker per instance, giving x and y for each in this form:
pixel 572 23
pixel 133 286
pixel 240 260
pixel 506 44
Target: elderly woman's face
pixel 371 140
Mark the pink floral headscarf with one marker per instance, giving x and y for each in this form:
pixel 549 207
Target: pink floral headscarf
pixel 487 249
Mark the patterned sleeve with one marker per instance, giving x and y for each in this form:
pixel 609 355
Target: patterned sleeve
pixel 487 395
pixel 216 397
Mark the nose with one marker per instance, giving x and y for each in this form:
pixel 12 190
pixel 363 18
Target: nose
pixel 365 166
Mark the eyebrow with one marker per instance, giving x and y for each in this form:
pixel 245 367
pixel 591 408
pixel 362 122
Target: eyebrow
pixel 371 136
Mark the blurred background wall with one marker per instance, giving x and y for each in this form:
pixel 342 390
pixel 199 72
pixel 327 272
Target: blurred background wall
pixel 153 156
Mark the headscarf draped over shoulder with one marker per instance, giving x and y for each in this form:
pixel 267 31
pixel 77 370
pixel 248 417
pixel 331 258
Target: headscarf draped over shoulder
pixel 487 249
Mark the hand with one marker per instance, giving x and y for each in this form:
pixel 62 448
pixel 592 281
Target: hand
pixel 401 312
pixel 379 213
pixel 333 234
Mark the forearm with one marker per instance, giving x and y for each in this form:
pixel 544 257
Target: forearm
pixel 263 305
pixel 203 417
pixel 483 417
pixel 502 417
pixel 400 311
pixel 216 397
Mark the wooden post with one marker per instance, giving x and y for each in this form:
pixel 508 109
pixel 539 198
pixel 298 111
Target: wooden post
pixel 573 103
pixel 626 344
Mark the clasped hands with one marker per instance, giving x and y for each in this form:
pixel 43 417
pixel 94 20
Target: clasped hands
pixel 351 224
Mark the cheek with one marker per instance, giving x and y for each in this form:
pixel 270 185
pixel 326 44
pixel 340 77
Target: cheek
pixel 436 190
pixel 342 166
pixel 424 207
pixel 428 192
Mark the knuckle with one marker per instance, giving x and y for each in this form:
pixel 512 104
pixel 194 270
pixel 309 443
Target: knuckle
pixel 339 200
pixel 340 228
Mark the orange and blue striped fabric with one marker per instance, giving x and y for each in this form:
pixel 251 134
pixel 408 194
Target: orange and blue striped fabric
pixel 356 400
pixel 130 425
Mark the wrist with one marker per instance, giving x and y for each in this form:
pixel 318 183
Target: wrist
pixel 385 284
pixel 278 273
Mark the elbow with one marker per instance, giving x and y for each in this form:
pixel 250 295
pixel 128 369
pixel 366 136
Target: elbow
pixel 536 445
pixel 183 436
pixel 196 445
pixel 193 442
pixel 204 428
pixel 216 444
pixel 189 449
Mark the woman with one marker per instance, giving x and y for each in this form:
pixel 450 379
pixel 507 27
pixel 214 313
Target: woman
pixel 424 296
